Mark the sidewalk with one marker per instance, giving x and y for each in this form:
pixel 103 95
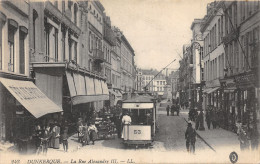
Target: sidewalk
pixel 219 138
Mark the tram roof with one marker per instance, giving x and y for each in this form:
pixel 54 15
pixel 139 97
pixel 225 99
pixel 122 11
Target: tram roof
pixel 139 99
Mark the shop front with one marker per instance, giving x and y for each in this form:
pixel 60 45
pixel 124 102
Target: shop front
pixel 80 93
pixel 22 107
pixel 229 103
pixel 248 100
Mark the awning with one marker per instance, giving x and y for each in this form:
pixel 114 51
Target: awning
pixel 27 94
pixel 84 89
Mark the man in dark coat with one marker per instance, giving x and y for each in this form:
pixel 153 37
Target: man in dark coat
pixel 168 109
pixel 190 136
pixel 208 118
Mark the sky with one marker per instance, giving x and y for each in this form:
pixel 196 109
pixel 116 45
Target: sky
pixel 156 29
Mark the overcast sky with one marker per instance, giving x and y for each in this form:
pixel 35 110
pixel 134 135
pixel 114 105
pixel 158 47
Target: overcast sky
pixel 156 29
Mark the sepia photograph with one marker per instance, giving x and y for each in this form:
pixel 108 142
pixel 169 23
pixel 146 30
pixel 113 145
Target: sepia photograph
pixel 129 81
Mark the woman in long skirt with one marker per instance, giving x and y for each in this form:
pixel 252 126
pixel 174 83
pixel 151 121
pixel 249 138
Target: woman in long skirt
pixel 56 135
pixel 92 132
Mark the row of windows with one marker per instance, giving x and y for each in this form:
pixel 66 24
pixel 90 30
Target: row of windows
pixel 215 68
pixel 230 21
pixel 161 82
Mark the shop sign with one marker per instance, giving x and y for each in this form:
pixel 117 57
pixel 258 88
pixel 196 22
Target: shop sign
pixel 246 79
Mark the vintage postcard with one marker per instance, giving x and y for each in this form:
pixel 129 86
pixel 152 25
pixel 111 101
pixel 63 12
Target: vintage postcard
pixel 129 81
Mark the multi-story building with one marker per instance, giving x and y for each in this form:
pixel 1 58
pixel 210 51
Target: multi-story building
pixel 21 102
pixel 196 69
pixel 231 58
pixel 139 79
pixel 185 76
pixel 67 62
pixel 127 65
pixel 147 80
pixel 159 85
pixel 213 56
pixel 174 84
pixel 241 81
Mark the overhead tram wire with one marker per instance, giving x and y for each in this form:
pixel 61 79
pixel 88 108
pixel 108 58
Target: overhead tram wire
pixel 157 75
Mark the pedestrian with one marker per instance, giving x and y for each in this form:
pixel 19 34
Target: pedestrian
pixel 190 136
pixel 177 108
pixel 244 143
pixel 38 135
pixel 214 119
pixel 81 133
pixel 56 136
pixel 65 137
pixel 92 132
pixel 118 126
pixel 168 109
pixel 172 109
pixel 45 140
pixel 208 118
pixel 85 139
pixel 126 120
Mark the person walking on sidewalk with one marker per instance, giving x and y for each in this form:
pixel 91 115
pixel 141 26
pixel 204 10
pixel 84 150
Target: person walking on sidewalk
pixel 168 109
pixel 208 118
pixel 65 139
pixel 244 143
pixel 92 132
pixel 85 139
pixel 190 136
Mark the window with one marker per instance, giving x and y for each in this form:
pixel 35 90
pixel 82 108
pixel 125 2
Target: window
pixel 75 13
pixel 90 41
pixel 160 82
pixel 35 16
pixel 70 48
pixel 12 27
pixel 47 42
pixel 23 34
pixel 55 45
pixel 63 39
pixel 63 6
pixel 70 4
pixel 75 52
pixel 157 82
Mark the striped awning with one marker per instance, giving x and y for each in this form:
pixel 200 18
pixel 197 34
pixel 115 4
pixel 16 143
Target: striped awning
pixel 31 97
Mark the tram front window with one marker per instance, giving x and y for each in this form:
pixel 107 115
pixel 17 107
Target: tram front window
pixel 141 116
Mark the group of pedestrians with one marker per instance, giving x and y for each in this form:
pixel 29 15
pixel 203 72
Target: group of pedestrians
pixel 86 132
pixel 174 108
pixel 49 136
pixel 212 117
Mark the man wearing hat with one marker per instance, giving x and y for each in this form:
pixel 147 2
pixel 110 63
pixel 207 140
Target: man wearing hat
pixel 190 136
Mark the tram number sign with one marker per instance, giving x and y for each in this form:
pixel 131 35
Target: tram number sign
pixel 137 132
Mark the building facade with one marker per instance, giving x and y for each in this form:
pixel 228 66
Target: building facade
pixel 21 101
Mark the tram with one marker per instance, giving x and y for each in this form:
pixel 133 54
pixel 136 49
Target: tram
pixel 141 131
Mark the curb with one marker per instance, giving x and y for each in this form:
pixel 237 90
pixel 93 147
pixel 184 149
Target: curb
pixel 203 139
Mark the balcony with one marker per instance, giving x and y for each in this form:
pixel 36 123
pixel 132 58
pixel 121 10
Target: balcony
pixel 98 56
